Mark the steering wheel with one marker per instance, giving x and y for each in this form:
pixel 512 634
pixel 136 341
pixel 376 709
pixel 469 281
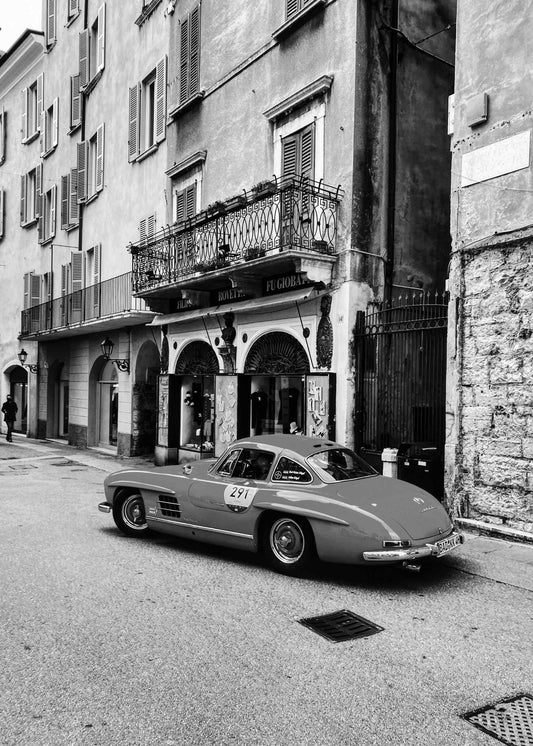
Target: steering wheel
pixel 243 469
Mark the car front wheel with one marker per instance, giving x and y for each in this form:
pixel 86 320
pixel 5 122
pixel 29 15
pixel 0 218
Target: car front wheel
pixel 129 514
pixel 288 544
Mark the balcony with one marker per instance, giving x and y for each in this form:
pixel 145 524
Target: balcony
pixel 107 305
pixel 280 226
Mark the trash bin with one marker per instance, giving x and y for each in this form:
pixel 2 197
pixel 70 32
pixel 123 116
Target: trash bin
pixel 421 464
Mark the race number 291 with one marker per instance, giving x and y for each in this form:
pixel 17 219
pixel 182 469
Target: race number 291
pixel 238 498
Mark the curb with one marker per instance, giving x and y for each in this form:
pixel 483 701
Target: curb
pixel 496 531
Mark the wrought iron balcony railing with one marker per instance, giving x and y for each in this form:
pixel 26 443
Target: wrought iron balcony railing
pixel 291 214
pixel 105 299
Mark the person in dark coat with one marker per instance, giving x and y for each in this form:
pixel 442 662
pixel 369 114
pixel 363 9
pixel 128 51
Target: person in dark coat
pixel 10 409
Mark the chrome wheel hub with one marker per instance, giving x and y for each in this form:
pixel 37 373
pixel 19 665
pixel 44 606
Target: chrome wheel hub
pixel 287 541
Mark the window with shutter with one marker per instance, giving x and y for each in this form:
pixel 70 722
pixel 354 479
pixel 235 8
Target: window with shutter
pixel 99 177
pixel 2 213
pixel 32 107
pixel 100 39
pixel 65 199
pixel 160 99
pixel 73 208
pixel 84 58
pixel 50 22
pixel 147 111
pixel 76 282
pixel 133 132
pixel 23 191
pixel 38 208
pixel 82 148
pixel 92 49
pixel 73 9
pixel 189 55
pixel 35 299
pixel 75 102
pixel 50 128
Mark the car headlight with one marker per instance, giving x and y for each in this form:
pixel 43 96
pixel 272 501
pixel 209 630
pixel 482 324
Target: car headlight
pixel 389 544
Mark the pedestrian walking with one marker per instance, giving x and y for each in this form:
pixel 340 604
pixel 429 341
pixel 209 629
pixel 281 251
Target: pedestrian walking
pixel 9 409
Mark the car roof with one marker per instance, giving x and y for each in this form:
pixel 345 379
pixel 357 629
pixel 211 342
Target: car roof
pixel 300 444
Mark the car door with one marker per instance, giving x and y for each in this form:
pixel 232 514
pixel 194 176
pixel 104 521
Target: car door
pixel 223 501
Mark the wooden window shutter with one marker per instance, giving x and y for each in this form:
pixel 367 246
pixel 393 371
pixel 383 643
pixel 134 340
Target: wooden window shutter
pixel 23 182
pixel 84 58
pixel 51 22
pixel 65 197
pixel 35 290
pixel 194 51
pixel 75 101
pixel 100 49
pixel 181 208
pixel 39 190
pixel 55 123
pixel 100 158
pixel 190 200
pixel 289 155
pixel 43 144
pixel 25 102
pixel 82 152
pixel 150 226
pixel 97 257
pixel 76 279
pixel 307 149
pixel 2 200
pixel 53 203
pixel 184 59
pixel 160 99
pixel 26 302
pixel 142 229
pixel 73 208
pixel 293 6
pixel 134 129
pixel 3 131
pixel 72 7
pixel 40 94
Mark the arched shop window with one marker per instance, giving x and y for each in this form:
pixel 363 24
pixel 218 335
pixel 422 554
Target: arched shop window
pixel 197 366
pixel 276 364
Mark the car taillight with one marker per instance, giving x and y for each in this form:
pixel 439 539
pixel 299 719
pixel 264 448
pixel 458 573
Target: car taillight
pixel 389 544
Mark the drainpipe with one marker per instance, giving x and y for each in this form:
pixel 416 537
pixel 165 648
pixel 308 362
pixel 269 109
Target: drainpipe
pixel 392 133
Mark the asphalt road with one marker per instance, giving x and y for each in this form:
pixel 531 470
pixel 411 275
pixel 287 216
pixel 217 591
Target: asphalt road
pixel 110 640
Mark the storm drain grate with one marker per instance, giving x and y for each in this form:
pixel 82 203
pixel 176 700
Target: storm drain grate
pixel 65 462
pixel 341 625
pixel 510 721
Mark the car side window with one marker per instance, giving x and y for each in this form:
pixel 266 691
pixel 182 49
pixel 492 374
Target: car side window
pixel 227 467
pixel 288 470
pixel 253 464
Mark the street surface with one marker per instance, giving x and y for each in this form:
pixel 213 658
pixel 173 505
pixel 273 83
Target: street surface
pixel 111 640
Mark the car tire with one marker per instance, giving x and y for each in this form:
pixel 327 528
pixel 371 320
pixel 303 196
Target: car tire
pixel 129 514
pixel 288 544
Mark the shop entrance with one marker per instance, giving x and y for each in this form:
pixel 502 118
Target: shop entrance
pixel 18 388
pixel 108 406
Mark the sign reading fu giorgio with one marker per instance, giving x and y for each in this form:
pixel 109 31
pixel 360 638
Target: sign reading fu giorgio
pixel 283 283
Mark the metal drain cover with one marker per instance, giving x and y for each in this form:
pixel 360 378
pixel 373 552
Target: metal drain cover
pixel 341 625
pixel 510 721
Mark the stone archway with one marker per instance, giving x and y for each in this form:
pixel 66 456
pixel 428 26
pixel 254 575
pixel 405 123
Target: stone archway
pixel 197 358
pixel 277 353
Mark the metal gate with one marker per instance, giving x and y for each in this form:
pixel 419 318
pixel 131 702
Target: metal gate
pixel 400 354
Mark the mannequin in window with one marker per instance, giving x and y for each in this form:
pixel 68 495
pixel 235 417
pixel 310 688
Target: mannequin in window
pixel 259 410
pixel 288 407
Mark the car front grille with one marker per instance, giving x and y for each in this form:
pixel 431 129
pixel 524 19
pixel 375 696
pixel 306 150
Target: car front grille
pixel 169 506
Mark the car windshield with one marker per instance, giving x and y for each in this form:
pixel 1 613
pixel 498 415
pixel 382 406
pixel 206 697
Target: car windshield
pixel 338 464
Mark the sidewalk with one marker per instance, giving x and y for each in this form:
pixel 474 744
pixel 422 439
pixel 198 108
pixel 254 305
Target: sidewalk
pixel 493 558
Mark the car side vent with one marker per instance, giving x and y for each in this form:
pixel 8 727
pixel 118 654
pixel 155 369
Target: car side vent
pixel 169 506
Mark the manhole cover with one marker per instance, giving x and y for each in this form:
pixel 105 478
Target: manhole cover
pixel 341 625
pixel 510 721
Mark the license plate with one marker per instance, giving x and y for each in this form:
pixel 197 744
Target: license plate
pixel 446 545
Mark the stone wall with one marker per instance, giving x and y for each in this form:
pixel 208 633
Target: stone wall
pixel 496 412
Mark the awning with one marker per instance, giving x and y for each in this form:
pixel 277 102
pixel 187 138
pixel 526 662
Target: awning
pixel 253 305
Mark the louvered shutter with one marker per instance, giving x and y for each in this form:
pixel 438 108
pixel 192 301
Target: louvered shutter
pixel 73 209
pixel 307 149
pixel 97 251
pixel 65 197
pixel 75 101
pixel 72 7
pixel 150 226
pixel 35 300
pixel 142 229
pixel 64 290
pixel 100 158
pixel 133 131
pixel 293 6
pixel 23 181
pixel 39 190
pixel 40 95
pixel 184 59
pixel 2 198
pixel 160 99
pixel 76 279
pixel 2 135
pixel 84 58
pixel 181 206
pixel 190 201
pixel 43 145
pixel 289 155
pixel 81 170
pixel 194 51
pixel 26 302
pixel 53 203
pixel 24 114
pixel 55 123
pixel 100 49
pixel 51 22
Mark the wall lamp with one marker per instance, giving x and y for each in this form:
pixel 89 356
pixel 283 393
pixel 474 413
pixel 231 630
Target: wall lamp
pixel 107 350
pixel 22 357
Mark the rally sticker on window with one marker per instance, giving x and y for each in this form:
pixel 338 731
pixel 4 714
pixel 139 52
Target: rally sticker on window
pixel 239 498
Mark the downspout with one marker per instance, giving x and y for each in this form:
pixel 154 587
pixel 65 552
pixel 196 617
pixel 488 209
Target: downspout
pixel 392 151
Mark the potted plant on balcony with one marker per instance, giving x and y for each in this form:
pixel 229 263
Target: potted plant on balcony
pixel 236 201
pixel 264 188
pixel 215 209
pixel 254 252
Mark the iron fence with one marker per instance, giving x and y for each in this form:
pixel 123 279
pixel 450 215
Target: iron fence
pixel 292 213
pixel 103 299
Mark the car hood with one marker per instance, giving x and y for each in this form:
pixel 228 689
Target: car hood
pixel 397 502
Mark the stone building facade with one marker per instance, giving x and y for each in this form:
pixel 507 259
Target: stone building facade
pixel 490 341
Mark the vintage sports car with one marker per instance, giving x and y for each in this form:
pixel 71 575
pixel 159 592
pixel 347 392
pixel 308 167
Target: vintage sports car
pixel 290 497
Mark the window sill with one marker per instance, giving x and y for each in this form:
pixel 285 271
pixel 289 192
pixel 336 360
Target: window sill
pixel 31 138
pixel 146 153
pixel 298 20
pixel 74 128
pixel 72 18
pixel 29 223
pixel 47 240
pixel 147 12
pixel 48 152
pixel 91 198
pixel 92 83
pixel 196 98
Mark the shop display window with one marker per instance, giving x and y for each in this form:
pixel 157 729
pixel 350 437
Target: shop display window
pixel 197 421
pixel 276 404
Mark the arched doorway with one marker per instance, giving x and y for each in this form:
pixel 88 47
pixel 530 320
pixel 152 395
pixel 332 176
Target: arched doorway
pixel 107 406
pixel 144 399
pixel 276 365
pixel 18 388
pixel 196 367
